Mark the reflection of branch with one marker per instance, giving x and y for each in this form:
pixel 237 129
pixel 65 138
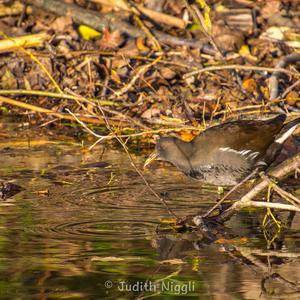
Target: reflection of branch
pixel 255 260
pixel 278 172
pixel 250 255
pixel 282 280
pixel 260 252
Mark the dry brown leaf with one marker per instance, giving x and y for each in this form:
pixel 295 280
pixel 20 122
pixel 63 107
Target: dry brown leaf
pixel 292 98
pixel 167 73
pixel 271 7
pixel 62 24
pixel 239 241
pixel 150 113
pixel 8 80
pixel 186 135
pixel 110 40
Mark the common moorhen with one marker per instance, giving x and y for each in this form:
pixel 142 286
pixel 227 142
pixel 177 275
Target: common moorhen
pixel 227 153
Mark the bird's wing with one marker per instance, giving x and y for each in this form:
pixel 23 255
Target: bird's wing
pixel 251 135
pixel 244 158
pixel 225 162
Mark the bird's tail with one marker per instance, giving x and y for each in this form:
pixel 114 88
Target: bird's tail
pixel 287 131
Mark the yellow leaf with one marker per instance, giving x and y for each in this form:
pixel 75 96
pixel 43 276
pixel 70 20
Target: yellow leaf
pixel 265 91
pixel 88 33
pixel 244 50
pixel 140 43
pixel 195 27
pixel 206 11
pixel 115 77
pixel 207 22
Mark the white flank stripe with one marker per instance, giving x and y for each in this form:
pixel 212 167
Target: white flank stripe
pixel 261 163
pixel 248 154
pixel 253 155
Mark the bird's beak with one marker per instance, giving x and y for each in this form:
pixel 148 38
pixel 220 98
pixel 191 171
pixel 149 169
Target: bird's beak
pixel 153 156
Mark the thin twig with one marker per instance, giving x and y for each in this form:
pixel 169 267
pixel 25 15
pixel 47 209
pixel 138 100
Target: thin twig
pixel 148 33
pixel 286 195
pixel 290 88
pixel 229 193
pixel 123 144
pixel 55 95
pixel 99 21
pixel 100 137
pixel 35 59
pixel 281 206
pixel 154 15
pixel 138 74
pixel 278 172
pixel 39 109
pixel 240 67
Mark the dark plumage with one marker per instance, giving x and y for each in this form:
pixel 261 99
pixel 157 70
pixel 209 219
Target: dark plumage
pixel 227 153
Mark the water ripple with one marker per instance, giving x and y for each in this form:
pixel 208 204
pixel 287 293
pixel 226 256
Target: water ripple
pixel 99 230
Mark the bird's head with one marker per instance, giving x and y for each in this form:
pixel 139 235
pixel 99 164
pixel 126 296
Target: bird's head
pixel 165 148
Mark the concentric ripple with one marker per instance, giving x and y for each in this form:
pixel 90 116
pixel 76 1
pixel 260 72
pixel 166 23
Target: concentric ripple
pixel 98 230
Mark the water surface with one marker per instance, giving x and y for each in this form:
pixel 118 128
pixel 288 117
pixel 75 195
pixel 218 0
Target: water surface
pixel 85 227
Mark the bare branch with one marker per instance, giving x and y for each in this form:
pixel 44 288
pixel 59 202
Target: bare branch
pixel 279 172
